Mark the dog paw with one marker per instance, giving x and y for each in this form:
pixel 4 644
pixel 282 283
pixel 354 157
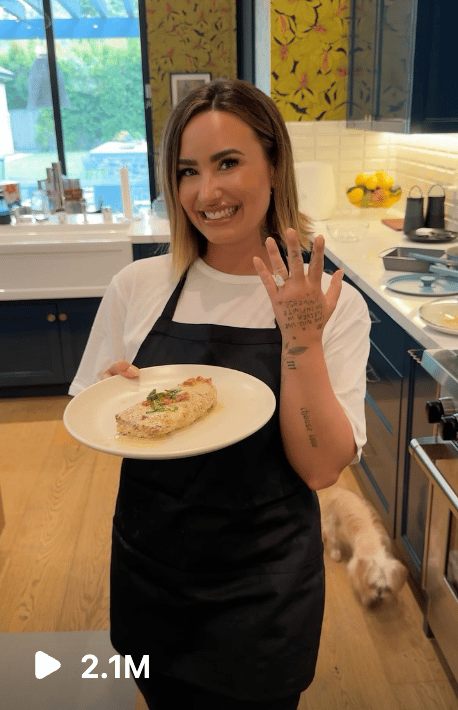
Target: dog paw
pixel 335 555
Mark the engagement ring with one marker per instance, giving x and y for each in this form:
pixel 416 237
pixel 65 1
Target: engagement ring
pixel 279 280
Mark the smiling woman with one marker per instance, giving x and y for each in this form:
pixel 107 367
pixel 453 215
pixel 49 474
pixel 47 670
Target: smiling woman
pixel 226 193
pixel 217 570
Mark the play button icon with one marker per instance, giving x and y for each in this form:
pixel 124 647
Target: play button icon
pixel 45 665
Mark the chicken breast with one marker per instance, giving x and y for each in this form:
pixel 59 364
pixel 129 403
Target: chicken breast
pixel 164 412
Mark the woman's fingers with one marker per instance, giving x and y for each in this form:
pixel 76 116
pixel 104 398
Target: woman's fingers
pixel 295 260
pixel 122 367
pixel 278 265
pixel 315 270
pixel 266 277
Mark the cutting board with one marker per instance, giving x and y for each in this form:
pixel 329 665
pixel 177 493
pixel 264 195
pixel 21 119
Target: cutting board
pixel 396 224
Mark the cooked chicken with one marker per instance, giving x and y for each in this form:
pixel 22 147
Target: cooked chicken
pixel 163 412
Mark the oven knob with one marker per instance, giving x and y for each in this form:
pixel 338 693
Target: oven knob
pixel 438 408
pixel 449 427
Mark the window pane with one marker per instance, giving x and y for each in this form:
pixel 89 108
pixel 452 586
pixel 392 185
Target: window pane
pixel 98 58
pixel 27 136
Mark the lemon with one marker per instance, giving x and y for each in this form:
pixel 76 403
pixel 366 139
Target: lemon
pixel 355 195
pixel 360 179
pixel 385 181
pixel 371 182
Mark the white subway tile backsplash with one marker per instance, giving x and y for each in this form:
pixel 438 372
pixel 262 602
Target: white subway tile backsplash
pixel 411 159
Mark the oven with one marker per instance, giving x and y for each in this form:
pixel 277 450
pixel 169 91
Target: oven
pixel 437 455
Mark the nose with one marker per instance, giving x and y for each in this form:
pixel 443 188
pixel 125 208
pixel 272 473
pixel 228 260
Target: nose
pixel 209 190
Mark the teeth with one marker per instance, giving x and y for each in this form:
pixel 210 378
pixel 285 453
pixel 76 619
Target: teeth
pixel 218 215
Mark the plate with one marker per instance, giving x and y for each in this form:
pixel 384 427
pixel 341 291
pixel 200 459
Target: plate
pixel 425 234
pixel 244 405
pixel 441 315
pixel 419 285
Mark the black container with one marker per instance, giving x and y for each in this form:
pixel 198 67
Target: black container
pixel 414 212
pixel 435 210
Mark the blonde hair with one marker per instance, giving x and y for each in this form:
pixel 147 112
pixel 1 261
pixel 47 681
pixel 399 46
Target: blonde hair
pixel 252 106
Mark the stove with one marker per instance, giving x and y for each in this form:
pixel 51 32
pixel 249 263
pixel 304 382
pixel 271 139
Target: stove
pixel 437 455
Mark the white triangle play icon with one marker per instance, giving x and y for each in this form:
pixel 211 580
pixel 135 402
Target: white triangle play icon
pixel 45 665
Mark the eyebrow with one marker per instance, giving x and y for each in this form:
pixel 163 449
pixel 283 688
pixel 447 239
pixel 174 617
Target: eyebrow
pixel 213 158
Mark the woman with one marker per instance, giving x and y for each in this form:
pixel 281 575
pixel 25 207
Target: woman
pixel 217 570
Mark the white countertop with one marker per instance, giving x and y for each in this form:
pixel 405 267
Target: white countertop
pixel 362 263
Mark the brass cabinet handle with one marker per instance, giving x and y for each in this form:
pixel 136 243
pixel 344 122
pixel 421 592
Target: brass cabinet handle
pixel 50 317
pixel 63 316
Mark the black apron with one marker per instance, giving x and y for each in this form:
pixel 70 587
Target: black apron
pixel 217 568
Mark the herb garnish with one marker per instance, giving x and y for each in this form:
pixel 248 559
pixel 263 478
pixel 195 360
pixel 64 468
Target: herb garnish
pixel 155 400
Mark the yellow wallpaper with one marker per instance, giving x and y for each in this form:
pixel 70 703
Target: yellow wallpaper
pixel 309 58
pixel 185 36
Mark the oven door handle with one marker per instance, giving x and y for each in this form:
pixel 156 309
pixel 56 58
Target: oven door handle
pixel 417 448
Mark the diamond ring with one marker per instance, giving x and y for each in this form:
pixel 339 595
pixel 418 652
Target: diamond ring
pixel 279 280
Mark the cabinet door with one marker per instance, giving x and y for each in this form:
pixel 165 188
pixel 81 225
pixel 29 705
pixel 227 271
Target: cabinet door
pixel 31 352
pixel 75 317
pixel 413 483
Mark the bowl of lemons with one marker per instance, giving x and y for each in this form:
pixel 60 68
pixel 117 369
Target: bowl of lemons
pixel 374 191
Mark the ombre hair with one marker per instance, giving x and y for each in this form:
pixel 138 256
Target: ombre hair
pixel 257 110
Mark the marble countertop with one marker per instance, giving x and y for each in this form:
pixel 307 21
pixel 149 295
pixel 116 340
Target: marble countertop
pixel 362 263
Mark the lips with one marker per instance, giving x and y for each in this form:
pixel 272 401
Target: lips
pixel 221 214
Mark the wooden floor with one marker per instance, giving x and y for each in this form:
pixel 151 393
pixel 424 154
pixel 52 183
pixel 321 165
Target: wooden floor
pixel 54 559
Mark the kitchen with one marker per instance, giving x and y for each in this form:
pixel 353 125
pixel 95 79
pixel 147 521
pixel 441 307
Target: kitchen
pixel 413 160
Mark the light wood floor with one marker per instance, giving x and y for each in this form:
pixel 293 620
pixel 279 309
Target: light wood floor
pixel 54 558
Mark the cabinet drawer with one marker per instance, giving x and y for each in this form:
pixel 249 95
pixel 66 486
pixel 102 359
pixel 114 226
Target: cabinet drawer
pixel 387 335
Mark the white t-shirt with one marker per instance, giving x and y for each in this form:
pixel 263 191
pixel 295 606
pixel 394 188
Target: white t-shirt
pixel 137 295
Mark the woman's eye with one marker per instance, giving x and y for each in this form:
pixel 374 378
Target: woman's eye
pixel 186 172
pixel 228 163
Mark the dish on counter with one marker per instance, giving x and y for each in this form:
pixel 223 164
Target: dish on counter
pixel 423 285
pixel 441 315
pixel 244 405
pixel 398 259
pixel 431 235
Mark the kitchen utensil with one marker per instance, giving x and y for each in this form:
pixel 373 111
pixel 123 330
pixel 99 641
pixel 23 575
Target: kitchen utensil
pixel 441 315
pixel 400 259
pixel 423 285
pixel 449 273
pixel 414 212
pixel 432 259
pixel 430 235
pixel 316 189
pixel 435 210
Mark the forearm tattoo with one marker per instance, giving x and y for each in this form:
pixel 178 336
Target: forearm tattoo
pixel 308 425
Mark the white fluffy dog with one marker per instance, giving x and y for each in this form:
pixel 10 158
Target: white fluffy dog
pixel 353 530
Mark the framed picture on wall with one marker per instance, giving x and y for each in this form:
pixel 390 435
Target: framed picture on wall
pixel 181 84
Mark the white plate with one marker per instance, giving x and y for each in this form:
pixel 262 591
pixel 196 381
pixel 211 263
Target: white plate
pixel 441 315
pixel 244 405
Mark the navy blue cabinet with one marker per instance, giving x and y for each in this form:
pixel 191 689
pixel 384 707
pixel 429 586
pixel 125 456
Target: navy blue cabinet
pixel 397 389
pixel 401 66
pixel 42 343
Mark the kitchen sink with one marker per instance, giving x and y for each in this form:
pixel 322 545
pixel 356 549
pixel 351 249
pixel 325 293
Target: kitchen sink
pixel 61 261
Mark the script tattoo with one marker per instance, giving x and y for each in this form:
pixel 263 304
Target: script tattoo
pixel 303 313
pixel 308 425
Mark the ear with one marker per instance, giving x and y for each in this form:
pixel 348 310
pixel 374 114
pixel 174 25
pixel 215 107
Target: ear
pixel 399 576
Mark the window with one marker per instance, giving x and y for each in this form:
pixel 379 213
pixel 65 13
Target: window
pixel 71 89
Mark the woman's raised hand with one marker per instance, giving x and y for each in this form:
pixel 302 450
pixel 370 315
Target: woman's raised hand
pixel 300 306
pixel 121 367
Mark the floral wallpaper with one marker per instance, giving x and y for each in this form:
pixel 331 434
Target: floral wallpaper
pixel 188 37
pixel 309 58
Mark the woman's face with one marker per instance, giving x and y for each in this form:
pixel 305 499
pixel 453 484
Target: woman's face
pixel 224 179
